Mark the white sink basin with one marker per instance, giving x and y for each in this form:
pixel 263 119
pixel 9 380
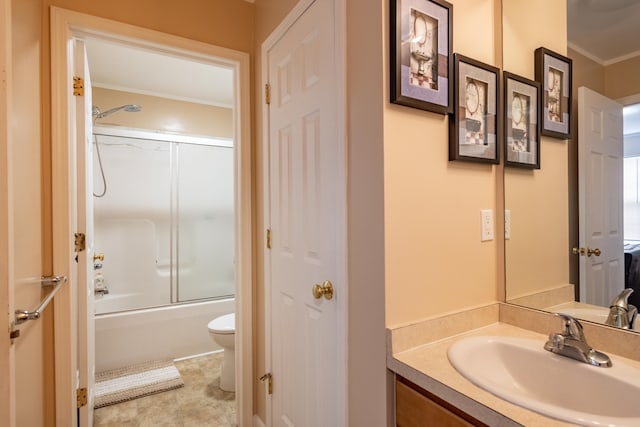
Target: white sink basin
pixel 522 372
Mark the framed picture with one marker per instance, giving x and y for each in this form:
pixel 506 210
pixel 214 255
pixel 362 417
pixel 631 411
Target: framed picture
pixel 521 124
pixel 421 38
pixel 553 72
pixel 473 128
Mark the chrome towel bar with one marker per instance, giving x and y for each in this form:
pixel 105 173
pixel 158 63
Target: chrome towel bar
pixel 55 281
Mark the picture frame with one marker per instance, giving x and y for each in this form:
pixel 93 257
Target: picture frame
pixel 554 73
pixel 421 40
pixel 521 124
pixel 474 125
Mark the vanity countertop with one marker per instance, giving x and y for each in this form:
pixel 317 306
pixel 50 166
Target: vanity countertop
pixel 427 366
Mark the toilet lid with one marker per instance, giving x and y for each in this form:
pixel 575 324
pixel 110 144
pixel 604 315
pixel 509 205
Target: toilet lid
pixel 224 324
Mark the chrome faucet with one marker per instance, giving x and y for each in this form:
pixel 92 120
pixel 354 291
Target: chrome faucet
pixel 621 313
pixel 572 343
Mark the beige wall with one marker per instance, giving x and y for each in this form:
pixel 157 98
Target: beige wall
pixel 536 255
pixel 434 259
pixel 164 114
pixel 621 79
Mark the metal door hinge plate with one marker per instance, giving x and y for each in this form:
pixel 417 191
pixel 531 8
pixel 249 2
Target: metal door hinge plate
pixel 268 238
pixel 79 240
pixel 81 397
pixel 78 86
pixel 267 93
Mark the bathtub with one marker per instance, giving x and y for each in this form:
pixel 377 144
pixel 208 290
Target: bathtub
pixel 170 332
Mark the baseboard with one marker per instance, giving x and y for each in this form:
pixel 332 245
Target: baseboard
pixel 257 422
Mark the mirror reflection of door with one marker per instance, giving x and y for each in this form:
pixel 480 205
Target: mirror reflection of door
pixel 600 195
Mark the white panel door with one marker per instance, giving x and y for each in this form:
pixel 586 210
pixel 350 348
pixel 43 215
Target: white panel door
pixel 304 185
pixel 84 162
pixel 600 158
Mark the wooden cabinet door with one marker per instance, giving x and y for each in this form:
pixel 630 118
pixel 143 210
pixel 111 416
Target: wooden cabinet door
pixel 415 409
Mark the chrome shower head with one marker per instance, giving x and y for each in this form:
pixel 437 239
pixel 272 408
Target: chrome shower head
pixel 130 108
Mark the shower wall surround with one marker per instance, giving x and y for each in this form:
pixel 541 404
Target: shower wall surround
pixel 166 222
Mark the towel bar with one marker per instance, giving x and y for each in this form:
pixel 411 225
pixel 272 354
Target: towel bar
pixel 55 281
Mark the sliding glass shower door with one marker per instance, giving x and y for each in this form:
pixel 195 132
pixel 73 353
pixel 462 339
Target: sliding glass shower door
pixel 166 221
pixel 205 213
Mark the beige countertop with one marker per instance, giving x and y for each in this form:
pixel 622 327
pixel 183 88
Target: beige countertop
pixel 427 366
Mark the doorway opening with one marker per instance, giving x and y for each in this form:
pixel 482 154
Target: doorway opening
pixel 177 115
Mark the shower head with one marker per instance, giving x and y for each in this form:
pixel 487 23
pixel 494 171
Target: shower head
pixel 130 108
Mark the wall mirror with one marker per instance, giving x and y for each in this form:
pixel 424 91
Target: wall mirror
pixel 544 206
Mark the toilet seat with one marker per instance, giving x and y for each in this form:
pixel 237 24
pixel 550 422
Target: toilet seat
pixel 223 325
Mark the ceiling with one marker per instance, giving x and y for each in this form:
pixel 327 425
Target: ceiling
pixel 607 31
pixel 133 69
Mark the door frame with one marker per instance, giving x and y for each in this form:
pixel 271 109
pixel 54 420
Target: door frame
pixel 65 25
pixel 340 207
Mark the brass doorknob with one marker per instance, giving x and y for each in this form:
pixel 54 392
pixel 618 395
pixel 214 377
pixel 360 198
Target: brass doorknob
pixel 325 289
pixel 595 252
pixel 98 257
pixel 586 251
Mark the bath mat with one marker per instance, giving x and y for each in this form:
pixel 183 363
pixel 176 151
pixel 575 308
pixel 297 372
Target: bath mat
pixel 132 382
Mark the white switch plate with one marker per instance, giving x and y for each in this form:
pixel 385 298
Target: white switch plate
pixel 487 224
pixel 507 224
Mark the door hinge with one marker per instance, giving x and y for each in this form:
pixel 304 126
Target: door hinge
pixel 79 242
pixel 81 397
pixel 269 378
pixel 267 93
pixel 13 332
pixel 78 86
pixel 268 238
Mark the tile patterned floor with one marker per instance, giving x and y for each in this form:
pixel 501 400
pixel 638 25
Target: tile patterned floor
pixel 199 403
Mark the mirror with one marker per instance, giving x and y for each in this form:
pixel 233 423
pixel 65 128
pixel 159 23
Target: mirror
pixel 543 205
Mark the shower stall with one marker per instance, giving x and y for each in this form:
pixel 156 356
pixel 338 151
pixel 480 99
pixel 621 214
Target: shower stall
pixel 164 242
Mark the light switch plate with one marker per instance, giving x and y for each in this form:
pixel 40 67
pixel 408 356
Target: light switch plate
pixel 487 224
pixel 507 224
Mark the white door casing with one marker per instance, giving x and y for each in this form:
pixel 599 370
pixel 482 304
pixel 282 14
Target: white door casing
pixel 84 155
pixel 600 160
pixel 305 212
pixel 65 25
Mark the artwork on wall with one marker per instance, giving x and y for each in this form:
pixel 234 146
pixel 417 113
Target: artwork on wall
pixel 521 123
pixel 553 72
pixel 421 48
pixel 473 128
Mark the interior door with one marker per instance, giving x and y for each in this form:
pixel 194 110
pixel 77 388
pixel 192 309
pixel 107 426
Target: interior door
pixel 305 350
pixel 23 221
pixel 84 147
pixel 600 163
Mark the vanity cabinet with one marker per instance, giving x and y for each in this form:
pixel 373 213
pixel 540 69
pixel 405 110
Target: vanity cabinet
pixel 416 407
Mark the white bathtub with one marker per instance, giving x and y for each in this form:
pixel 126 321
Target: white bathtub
pixel 157 333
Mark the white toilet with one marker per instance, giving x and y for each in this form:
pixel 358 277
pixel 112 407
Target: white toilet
pixel 223 331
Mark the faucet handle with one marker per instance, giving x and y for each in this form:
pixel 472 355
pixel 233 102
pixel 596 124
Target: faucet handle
pixel 621 300
pixel 571 327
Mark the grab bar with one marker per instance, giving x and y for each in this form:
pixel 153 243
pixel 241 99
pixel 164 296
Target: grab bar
pixel 55 281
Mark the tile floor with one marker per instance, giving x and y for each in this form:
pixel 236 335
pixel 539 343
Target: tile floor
pixel 199 403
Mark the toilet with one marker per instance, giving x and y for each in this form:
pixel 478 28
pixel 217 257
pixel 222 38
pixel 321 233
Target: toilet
pixel 223 332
